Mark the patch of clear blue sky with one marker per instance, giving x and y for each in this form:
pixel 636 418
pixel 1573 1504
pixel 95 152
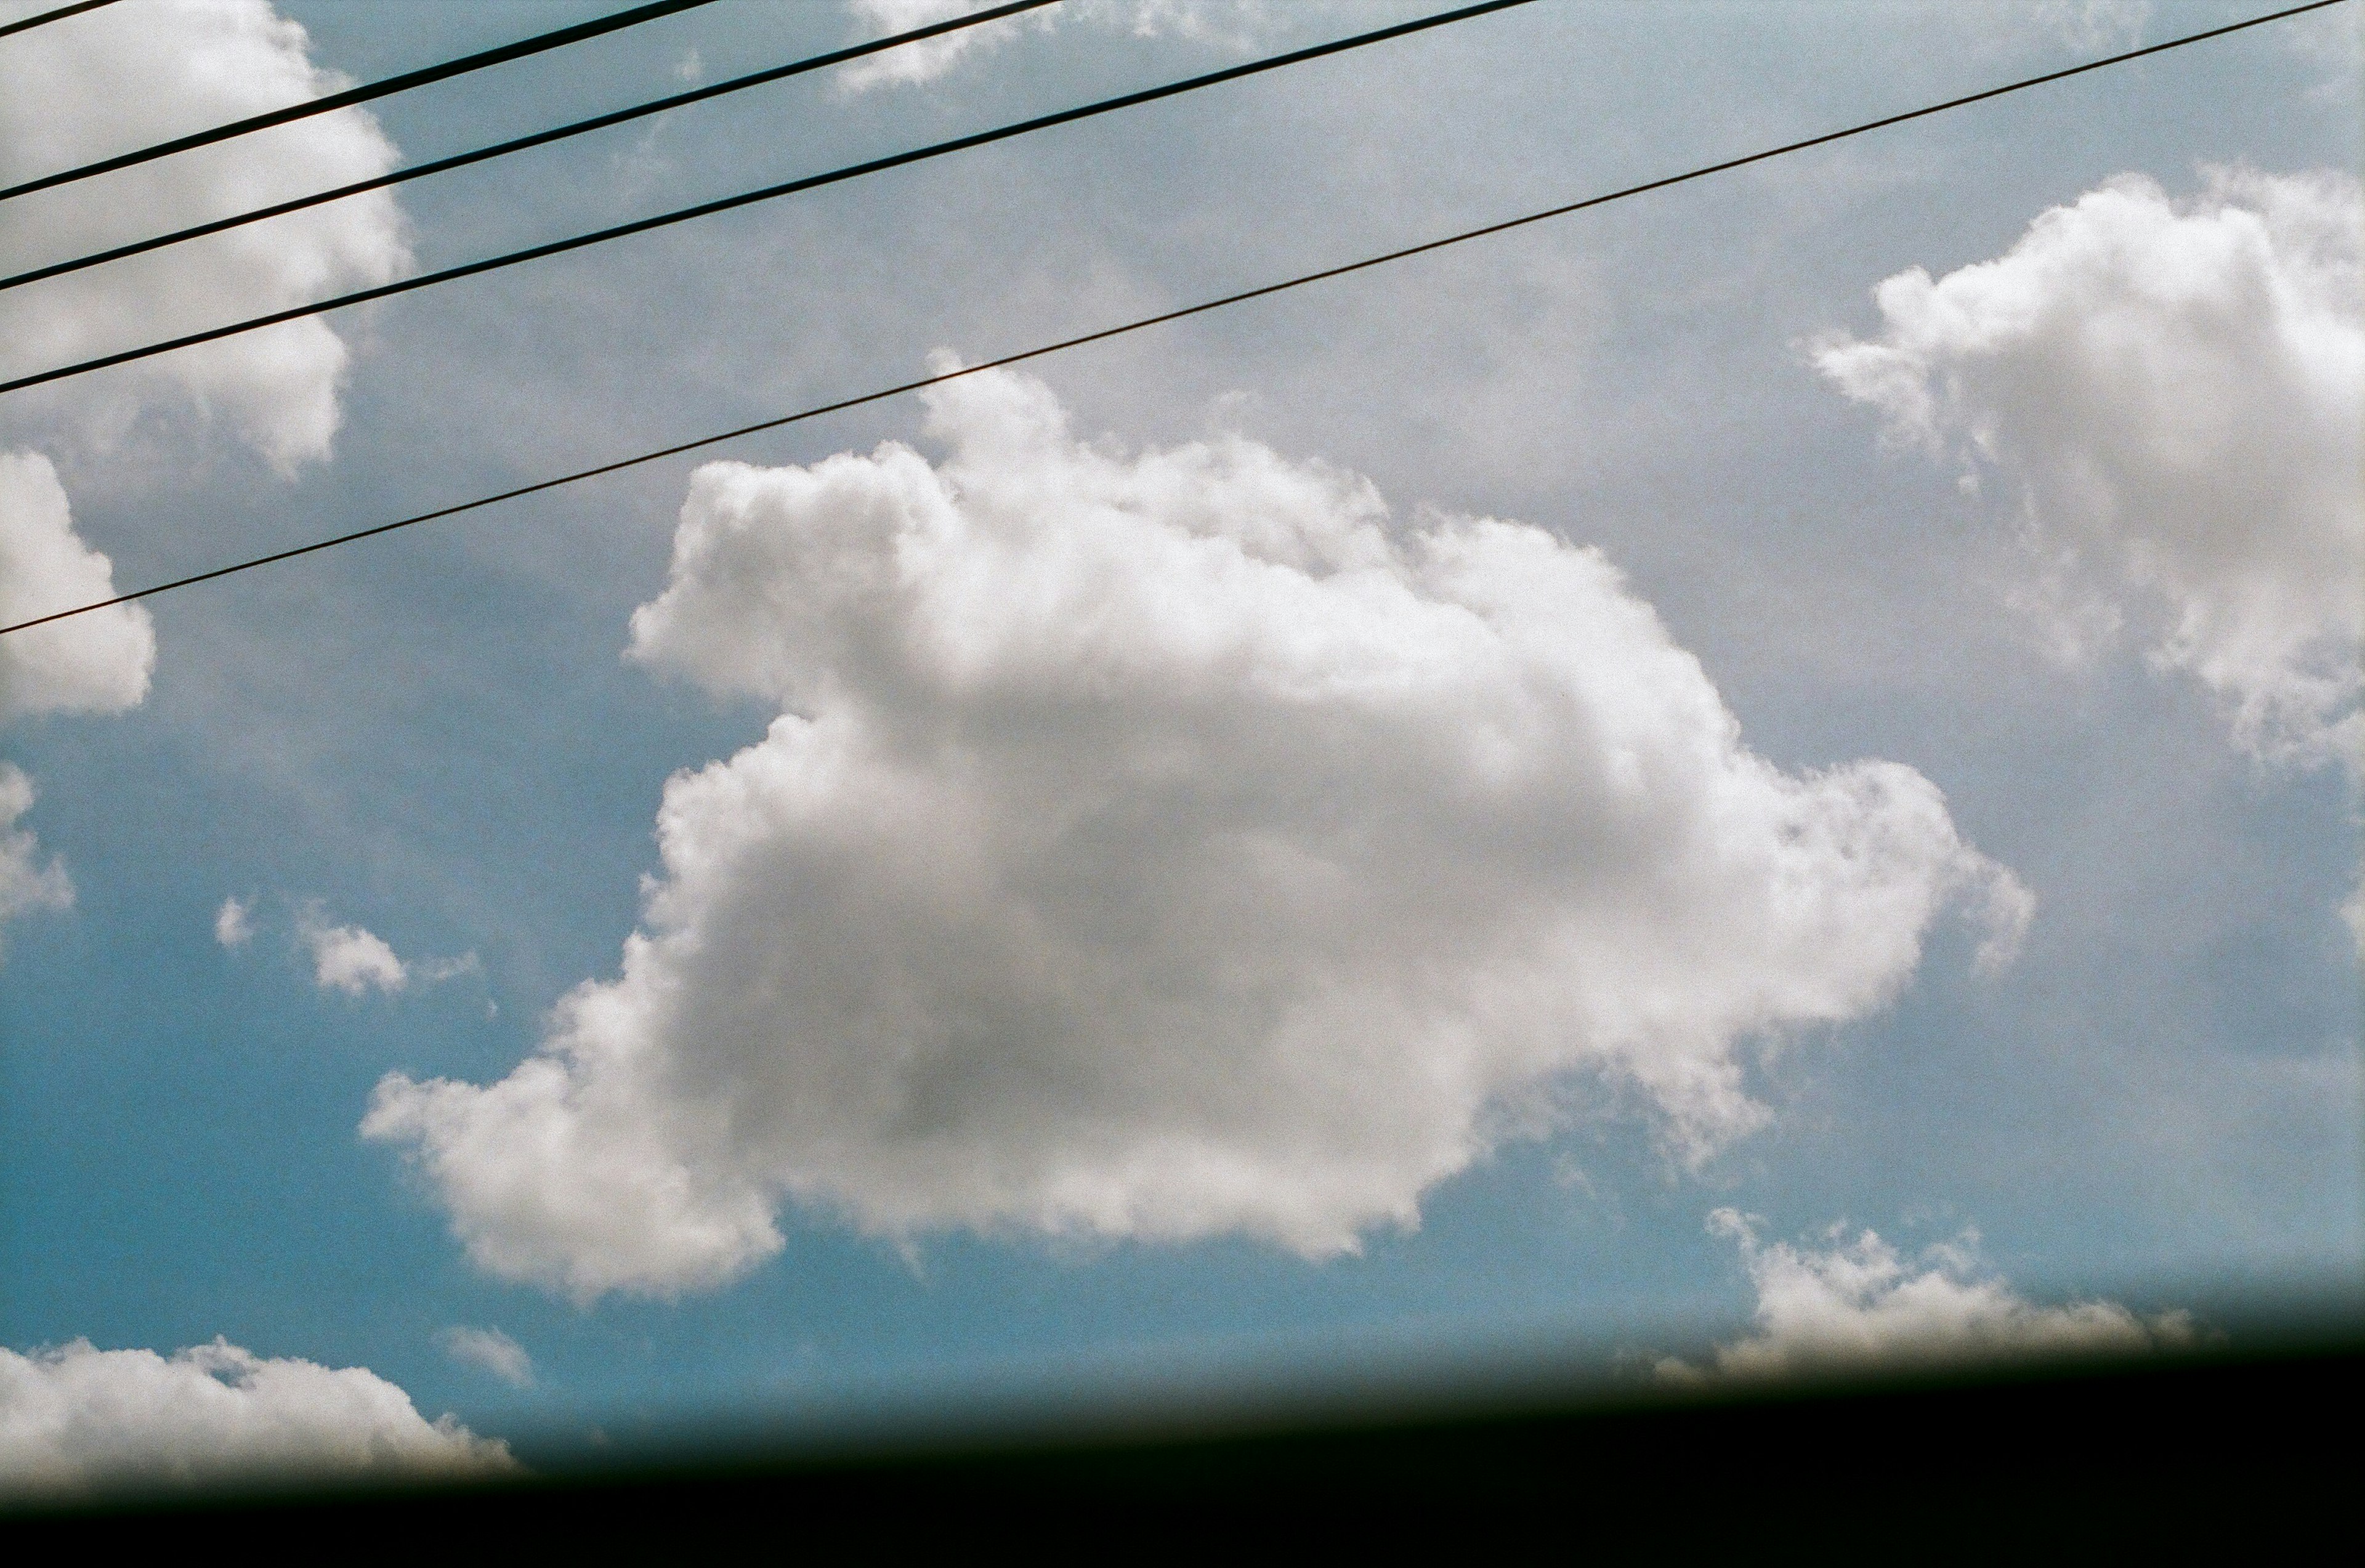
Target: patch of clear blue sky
pixel 436 738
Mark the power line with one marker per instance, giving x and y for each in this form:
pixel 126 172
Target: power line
pixel 25 24
pixel 539 138
pixel 632 16
pixel 1161 318
pixel 768 193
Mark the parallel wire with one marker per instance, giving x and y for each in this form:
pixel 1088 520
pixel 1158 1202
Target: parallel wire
pixel 520 144
pixel 768 193
pixel 1163 317
pixel 632 16
pixel 25 24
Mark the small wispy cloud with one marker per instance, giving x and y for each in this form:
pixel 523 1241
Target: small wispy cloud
pixel 488 1349
pixel 434 971
pixel 25 883
pixel 1859 1304
pixel 233 923
pixel 356 960
pixel 348 958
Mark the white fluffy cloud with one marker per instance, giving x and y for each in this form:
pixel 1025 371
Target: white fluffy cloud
pixel 97 663
pixel 76 1419
pixel 232 929
pixel 1858 1304
pixel 114 81
pixel 107 82
pixel 1158 847
pixel 489 1349
pixel 2176 391
pixel 94 664
pixel 348 958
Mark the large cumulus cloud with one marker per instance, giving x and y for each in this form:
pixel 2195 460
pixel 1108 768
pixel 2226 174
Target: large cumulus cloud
pixel 2175 390
pixel 76 1419
pixel 111 82
pixel 1156 847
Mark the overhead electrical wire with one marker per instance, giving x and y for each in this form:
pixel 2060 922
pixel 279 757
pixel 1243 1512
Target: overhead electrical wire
pixel 632 16
pixel 766 193
pixel 1300 281
pixel 25 24
pixel 520 144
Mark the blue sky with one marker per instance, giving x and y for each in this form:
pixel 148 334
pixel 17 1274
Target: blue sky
pixel 436 737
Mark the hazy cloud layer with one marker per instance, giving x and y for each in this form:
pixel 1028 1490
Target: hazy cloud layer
pixel 1233 23
pixel 2086 26
pixel 97 662
pixel 1158 847
pixel 1859 1304
pixel 931 58
pixel 76 1419
pixel 2174 392
pixel 105 83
